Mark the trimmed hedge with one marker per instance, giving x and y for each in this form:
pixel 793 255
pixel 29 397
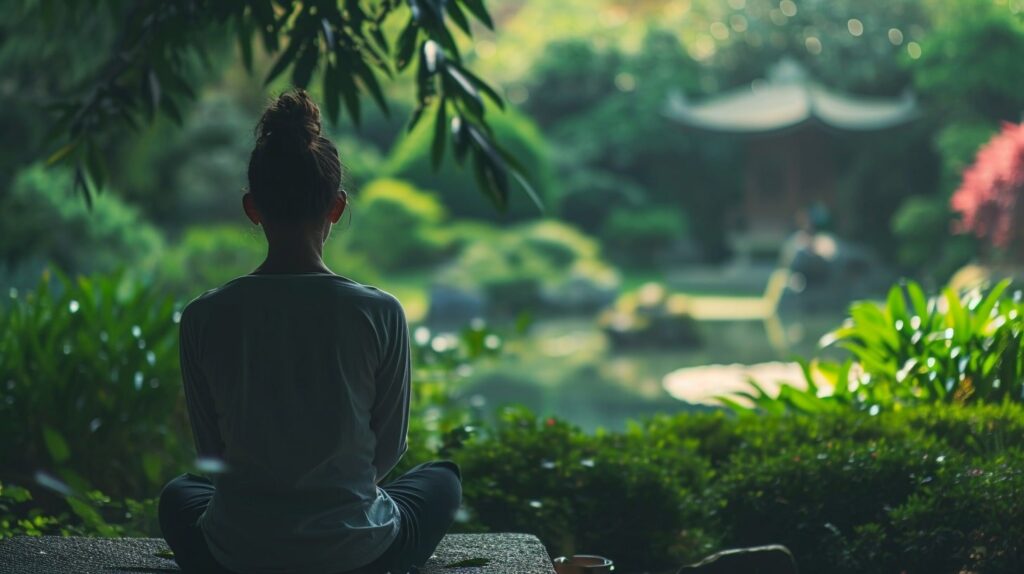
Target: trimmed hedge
pixel 928 489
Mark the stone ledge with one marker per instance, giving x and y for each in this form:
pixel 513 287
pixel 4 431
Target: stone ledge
pixel 505 553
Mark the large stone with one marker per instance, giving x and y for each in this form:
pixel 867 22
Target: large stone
pixel 481 553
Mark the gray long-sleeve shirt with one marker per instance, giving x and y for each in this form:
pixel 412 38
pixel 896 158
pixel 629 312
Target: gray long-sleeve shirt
pixel 300 383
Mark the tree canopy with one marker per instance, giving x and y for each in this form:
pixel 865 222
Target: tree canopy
pixel 349 46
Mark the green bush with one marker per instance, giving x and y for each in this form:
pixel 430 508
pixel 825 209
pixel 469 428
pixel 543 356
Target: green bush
pixel 396 226
pixel 455 186
pixel 207 257
pixel 43 222
pixel 845 490
pixel 616 495
pixel 922 225
pixel 91 385
pixel 970 520
pixel 913 349
pixel 532 265
pixel 638 236
pixel 819 500
pixel 954 348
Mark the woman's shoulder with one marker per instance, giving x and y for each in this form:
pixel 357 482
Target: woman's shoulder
pixel 304 287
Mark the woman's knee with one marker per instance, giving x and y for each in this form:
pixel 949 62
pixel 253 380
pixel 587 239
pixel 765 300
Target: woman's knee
pixel 450 479
pixel 445 464
pixel 180 498
pixel 170 501
pixel 445 482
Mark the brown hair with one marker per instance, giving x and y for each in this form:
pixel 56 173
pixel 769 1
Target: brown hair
pixel 294 171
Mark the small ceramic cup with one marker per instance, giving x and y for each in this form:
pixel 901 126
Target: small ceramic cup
pixel 583 564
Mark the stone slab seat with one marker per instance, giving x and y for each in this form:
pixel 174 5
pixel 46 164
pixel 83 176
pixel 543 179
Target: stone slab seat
pixel 504 553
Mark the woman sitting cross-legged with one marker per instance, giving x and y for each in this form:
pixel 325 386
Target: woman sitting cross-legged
pixel 297 379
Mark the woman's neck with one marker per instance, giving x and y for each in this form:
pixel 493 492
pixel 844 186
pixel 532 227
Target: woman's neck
pixel 293 254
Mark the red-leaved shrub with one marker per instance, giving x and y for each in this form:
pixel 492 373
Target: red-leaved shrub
pixel 987 200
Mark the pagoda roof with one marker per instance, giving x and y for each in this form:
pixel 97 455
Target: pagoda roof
pixel 789 99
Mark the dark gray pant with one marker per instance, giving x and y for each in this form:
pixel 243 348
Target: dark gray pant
pixel 427 497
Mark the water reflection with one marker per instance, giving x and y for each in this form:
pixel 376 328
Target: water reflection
pixel 568 368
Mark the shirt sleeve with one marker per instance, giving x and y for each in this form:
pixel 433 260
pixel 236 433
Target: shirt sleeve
pixel 202 413
pixel 389 420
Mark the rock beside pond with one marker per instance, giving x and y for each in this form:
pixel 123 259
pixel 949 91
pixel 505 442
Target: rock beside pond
pixel 454 307
pixel 650 317
pixel 580 294
pixel 827 273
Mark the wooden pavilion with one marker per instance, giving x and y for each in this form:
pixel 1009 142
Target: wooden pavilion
pixel 787 122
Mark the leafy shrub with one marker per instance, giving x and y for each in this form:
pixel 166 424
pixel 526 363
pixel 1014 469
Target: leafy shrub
pixel 953 349
pixel 410 160
pixel 91 384
pixel 971 520
pixel 618 495
pixel 816 498
pixel 45 223
pixel 207 257
pixel 638 236
pixel 912 349
pixel 531 265
pixel 991 187
pixel 922 225
pixel 19 518
pixel 395 225
pixel 719 436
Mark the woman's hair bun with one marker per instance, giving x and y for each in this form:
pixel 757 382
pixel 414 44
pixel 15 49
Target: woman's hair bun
pixel 293 119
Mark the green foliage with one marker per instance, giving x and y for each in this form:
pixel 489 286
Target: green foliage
pixel 18 517
pixel 969 66
pixel 952 349
pixel 618 495
pixel 206 257
pixel 958 144
pixel 396 226
pixel 412 159
pixel 974 517
pixel 44 223
pixel 637 236
pixel 91 384
pixel 921 225
pixel 847 491
pixel 530 265
pixel 791 497
pixel 912 349
pixel 350 44
pixel 195 173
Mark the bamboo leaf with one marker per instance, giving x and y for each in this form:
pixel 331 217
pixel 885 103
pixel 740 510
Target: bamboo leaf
pixel 56 445
pixel 303 70
pixel 406 45
pixel 480 85
pixel 440 129
pixel 459 17
pixel 331 95
pixel 477 8
pixel 984 310
pixel 244 31
pixel 283 60
pixel 61 153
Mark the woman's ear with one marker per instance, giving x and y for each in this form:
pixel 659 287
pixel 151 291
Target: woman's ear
pixel 337 208
pixel 249 206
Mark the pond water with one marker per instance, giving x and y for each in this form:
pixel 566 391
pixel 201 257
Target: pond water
pixel 567 367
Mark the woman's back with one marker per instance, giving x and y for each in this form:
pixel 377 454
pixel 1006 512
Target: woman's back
pixel 298 380
pixel 305 381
